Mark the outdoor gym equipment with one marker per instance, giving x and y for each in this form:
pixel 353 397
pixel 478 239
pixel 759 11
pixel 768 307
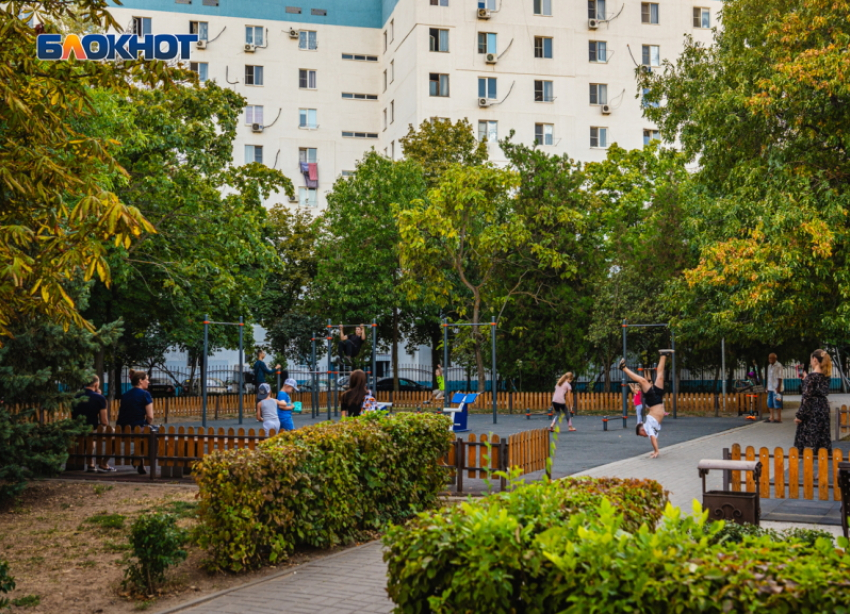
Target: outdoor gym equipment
pixel 207 323
pixel 626 326
pixel 460 414
pixel 493 380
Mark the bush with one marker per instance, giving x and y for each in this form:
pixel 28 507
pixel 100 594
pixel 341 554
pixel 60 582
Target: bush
pixel 157 544
pixel 318 486
pixel 737 533
pixel 595 560
pixel 483 555
pixel 7 583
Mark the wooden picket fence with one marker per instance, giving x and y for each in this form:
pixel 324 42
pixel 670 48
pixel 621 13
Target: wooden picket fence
pixel 789 475
pixel 842 422
pixel 479 456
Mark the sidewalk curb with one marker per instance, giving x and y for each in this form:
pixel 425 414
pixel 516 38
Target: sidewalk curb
pixel 274 576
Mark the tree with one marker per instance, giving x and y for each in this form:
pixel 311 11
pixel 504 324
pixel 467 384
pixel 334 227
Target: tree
pixel 765 110
pixel 56 216
pixel 359 270
pixel 439 144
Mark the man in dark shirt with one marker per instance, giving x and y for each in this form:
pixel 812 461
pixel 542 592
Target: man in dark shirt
pixel 349 345
pixel 92 405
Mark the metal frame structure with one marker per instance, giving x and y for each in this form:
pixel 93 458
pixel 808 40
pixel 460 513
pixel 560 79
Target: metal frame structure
pixel 626 326
pixel 493 379
pixel 241 325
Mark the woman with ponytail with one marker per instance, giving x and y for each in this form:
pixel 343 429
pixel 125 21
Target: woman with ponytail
pixel 813 416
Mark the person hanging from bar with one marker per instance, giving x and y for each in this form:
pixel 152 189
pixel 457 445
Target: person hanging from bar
pixel 653 401
pixel 349 345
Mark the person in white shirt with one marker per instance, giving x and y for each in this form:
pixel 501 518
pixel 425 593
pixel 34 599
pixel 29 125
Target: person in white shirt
pixel 774 388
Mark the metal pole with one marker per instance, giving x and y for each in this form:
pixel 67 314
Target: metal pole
pixel 314 393
pixel 374 358
pixel 673 374
pixel 446 361
pixel 204 370
pixel 623 382
pixel 241 368
pixel 329 367
pixel 493 378
pixel 723 368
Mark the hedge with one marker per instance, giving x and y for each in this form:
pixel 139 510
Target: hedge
pixel 318 486
pixel 518 554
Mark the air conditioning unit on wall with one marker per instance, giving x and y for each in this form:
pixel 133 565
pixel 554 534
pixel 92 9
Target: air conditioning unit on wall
pixel 592 24
pixel 606 109
pixel 293 199
pixel 201 44
pixel 250 48
pixel 483 13
pixel 293 33
pixel 256 127
pixel 491 58
pixel 483 102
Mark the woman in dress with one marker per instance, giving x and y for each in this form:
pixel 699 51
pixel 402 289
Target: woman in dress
pixel 813 416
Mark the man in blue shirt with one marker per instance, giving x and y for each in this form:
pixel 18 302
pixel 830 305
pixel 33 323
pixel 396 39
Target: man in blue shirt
pixel 285 406
pixel 261 369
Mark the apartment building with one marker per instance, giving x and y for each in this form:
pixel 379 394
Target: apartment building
pixel 328 80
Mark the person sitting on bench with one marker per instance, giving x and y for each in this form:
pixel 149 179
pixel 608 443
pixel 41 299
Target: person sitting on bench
pixel 653 401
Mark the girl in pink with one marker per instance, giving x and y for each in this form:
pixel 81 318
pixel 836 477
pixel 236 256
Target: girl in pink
pixel 637 399
pixel 562 400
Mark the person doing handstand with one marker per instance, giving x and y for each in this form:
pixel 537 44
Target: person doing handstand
pixel 653 401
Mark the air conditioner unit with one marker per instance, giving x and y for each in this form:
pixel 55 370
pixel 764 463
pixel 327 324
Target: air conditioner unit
pixel 201 44
pixel 256 127
pixel 293 199
pixel 293 33
pixel 646 69
pixel 592 24
pixel 606 109
pixel 483 102
pixel 249 48
pixel 483 13
pixel 491 58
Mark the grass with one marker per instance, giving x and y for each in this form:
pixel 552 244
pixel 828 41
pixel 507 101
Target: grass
pixel 28 601
pixel 99 489
pixel 111 546
pixel 143 605
pixel 181 509
pixel 107 521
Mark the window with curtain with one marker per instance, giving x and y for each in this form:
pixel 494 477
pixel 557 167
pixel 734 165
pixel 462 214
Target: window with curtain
pixel 598 137
pixel 201 28
pixel 598 51
pixel 307 118
pixel 307 40
pixel 598 93
pixel 488 131
pixel 542 47
pixel 254 114
pixel 486 42
pixel 307 79
pixel 253 153
pixel 649 12
pixel 543 7
pixel 254 35
pixel 487 88
pixel 544 134
pixel 651 55
pixel 596 9
pixel 543 91
pixel 438 39
pixel 253 75
pixel 438 85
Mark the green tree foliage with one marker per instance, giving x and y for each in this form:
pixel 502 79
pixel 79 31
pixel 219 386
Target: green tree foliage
pixel 56 216
pixel 358 270
pixel 439 144
pixel 765 111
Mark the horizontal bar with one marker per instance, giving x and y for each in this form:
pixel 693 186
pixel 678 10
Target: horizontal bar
pixel 470 324
pixel 360 324
pixel 643 325
pixel 225 323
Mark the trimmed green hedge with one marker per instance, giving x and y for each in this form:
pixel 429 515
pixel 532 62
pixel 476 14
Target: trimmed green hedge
pixel 318 486
pixel 513 553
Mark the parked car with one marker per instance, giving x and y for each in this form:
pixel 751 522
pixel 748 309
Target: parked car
pixel 214 386
pixel 307 386
pixel 247 384
pixel 404 385
pixel 160 388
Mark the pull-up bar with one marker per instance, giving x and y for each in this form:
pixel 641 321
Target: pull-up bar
pixel 329 339
pixel 207 323
pixel 625 387
pixel 373 324
pixel 469 324
pixel 492 324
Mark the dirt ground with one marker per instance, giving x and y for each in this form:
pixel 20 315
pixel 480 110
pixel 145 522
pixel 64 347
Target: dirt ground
pixel 66 543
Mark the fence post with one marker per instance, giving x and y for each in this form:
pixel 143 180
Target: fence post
pixel 217 397
pixel 459 465
pixel 166 410
pixel 153 448
pixel 503 463
pixel 511 401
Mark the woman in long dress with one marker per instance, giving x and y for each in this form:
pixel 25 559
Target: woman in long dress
pixel 813 416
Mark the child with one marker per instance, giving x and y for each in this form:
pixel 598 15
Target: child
pixel 267 409
pixel 653 398
pixel 285 405
pixel 637 399
pixel 562 399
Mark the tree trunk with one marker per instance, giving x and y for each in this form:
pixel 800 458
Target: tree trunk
pixel 395 348
pixel 98 364
pixel 476 344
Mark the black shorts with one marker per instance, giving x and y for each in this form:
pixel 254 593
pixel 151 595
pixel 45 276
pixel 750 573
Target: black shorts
pixel 559 408
pixel 654 396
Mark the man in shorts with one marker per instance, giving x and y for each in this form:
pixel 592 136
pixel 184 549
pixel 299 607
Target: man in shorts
pixel 653 401
pixel 774 388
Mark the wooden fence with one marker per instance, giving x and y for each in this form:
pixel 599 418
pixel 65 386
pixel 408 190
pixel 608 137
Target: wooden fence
pixel 789 475
pixel 169 408
pixel 481 455
pixel 842 422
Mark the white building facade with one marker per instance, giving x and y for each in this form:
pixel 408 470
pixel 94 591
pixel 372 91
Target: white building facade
pixel 327 80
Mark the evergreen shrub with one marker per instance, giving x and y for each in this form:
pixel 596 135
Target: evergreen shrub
pixel 318 486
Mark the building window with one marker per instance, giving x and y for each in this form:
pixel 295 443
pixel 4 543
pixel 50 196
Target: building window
pixel 307 40
pixel 308 197
pixel 644 102
pixel 201 69
pixel 598 51
pixel 598 93
pixel 438 85
pixel 385 40
pixel 702 17
pixel 487 88
pixel 346 174
pixel 360 135
pixel 141 26
pixel 307 119
pixel 254 35
pixel 359 58
pixel 350 96
pixel 253 153
pixel 201 28
pixel 385 80
pixel 308 154
pixel 439 2
pixel 293 10
pixel 392 150
pixel 319 12
pixel 253 75
pixel 254 114
pixel 392 30
pixel 651 135
pixel 543 7
pixel 392 71
pixel 488 131
pixel 543 91
pixel 599 137
pixel 649 12
pixel 596 9
pixel 486 42
pixel 307 79
pixel 542 47
pixel 544 134
pixel 438 39
pixel 392 111
pixel 651 55
pixel 385 119
pixel 487 4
